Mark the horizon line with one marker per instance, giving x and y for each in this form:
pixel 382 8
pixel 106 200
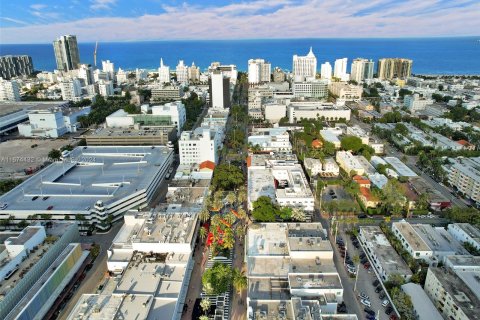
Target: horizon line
pixel 260 39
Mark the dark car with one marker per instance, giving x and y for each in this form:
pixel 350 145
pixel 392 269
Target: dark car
pixel 364 260
pixel 342 308
pixel 34 198
pixel 362 216
pixel 362 255
pixel 382 295
pixel 371 317
pixel 388 310
pixel 376 282
pixel 378 289
pixel 50 208
pixel 369 311
pixel 353 237
pixel 45 198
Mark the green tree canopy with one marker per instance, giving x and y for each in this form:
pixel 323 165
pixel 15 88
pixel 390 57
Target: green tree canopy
pixel 351 143
pixel 217 279
pixel 264 210
pixel 54 154
pixel 227 177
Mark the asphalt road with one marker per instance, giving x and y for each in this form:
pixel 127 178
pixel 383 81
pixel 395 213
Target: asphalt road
pixel 97 273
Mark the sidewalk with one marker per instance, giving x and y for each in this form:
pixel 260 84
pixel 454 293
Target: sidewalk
pixel 195 286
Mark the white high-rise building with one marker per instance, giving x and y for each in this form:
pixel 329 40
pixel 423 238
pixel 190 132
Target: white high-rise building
pixel 85 72
pixel 194 73
pixel 105 88
pixel 182 72
pixel 122 76
pixel 202 144
pixel 141 74
pixel 326 70
pixel 361 69
pixel 304 67
pixel 259 71
pixel 219 91
pixel 163 73
pixel 340 69
pixel 109 68
pixel 9 90
pixel 100 75
pixel 71 90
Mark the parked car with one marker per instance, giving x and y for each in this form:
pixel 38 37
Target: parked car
pixel 50 208
pixel 366 265
pixel 371 317
pixel 369 311
pixel 382 295
pixel 34 198
pixel 388 310
pixel 378 289
pixel 45 198
pixel 342 308
pixel 363 295
pixel 385 303
pixel 365 302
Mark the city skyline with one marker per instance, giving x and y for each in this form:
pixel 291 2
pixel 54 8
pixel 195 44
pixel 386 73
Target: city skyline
pixel 118 20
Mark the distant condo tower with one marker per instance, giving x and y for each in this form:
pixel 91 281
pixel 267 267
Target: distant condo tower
pixel 163 73
pixel 259 71
pixel 391 68
pixel 361 69
pixel 326 70
pixel 340 69
pixel 304 67
pixel 66 53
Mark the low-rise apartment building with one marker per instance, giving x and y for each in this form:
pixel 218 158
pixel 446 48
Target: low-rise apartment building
pixel 280 177
pixel 348 162
pixel 451 296
pixel 381 254
pixel 465 232
pixel 422 241
pixel 464 175
pixel 326 168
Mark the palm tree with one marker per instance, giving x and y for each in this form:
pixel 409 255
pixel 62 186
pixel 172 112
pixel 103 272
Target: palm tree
pixel 240 231
pixel 230 218
pixel 230 198
pixel 203 233
pixel 205 305
pixel 204 215
pixel 241 195
pixel 241 213
pixel 298 214
pixel 239 280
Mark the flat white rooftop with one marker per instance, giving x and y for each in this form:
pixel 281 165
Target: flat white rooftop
pixel 87 175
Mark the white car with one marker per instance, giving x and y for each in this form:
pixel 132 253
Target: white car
pixel 365 302
pixel 3 206
pixel 385 303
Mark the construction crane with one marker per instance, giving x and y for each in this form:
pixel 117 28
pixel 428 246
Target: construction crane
pixel 95 54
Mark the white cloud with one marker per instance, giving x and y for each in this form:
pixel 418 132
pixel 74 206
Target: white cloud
pixel 14 20
pixel 38 6
pixel 268 19
pixel 102 4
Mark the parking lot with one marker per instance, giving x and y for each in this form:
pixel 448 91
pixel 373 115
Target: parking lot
pixel 367 281
pixel 334 192
pixel 18 155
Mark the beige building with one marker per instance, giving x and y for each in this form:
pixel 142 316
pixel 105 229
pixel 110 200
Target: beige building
pixel 451 296
pixel 391 68
pixel 345 91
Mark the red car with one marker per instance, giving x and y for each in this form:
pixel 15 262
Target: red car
pixel 50 208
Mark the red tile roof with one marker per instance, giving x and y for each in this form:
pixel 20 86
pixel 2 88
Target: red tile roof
pixel 207 165
pixel 317 144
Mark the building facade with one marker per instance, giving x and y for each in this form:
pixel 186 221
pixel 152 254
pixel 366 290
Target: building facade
pixel 163 73
pixel 312 89
pixel 304 67
pixel 9 90
pixel 259 71
pixel 66 53
pixel 14 66
pixel 391 68
pixel 219 88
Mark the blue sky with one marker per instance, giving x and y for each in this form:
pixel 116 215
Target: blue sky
pixel 26 21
